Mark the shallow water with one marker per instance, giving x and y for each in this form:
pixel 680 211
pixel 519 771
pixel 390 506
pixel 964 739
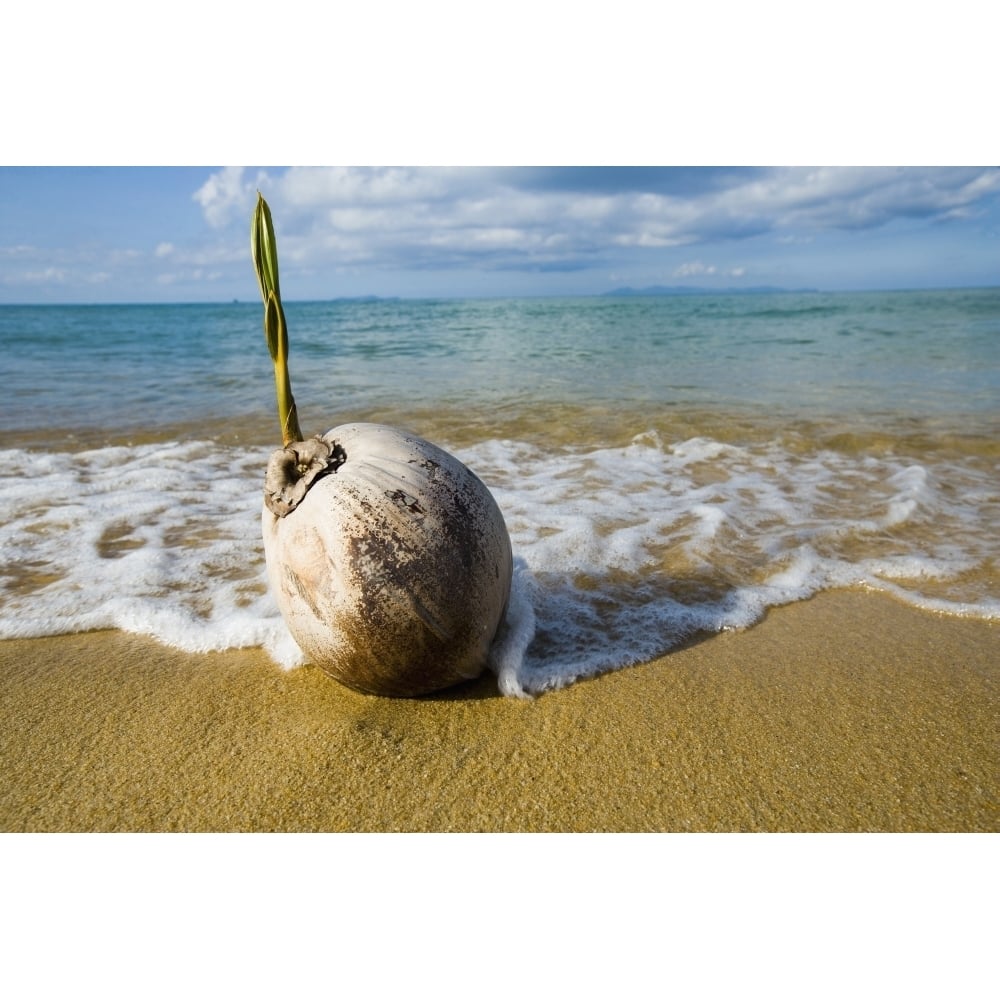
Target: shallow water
pixel 666 466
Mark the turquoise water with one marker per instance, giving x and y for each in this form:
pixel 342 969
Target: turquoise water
pixel 801 356
pixel 665 465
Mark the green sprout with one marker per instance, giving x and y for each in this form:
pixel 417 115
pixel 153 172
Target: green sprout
pixel 264 249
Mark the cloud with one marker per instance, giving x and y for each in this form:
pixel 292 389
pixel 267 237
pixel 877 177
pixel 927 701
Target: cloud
pixel 531 219
pixel 90 266
pixel 20 250
pixel 693 268
pixel 224 196
pixel 47 275
pixel 851 198
pixel 66 268
pixel 697 269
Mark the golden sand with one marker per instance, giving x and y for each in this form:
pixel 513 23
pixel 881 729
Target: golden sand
pixel 847 712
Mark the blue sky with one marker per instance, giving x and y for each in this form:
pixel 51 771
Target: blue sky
pixel 159 234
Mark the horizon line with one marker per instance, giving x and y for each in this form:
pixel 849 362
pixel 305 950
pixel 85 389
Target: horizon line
pixel 683 291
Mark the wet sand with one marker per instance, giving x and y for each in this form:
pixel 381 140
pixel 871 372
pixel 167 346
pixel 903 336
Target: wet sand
pixel 849 712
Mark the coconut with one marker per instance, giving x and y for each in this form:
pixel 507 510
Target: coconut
pixel 393 572
pixel 388 558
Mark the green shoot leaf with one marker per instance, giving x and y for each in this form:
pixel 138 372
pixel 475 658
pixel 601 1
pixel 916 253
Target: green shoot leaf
pixel 264 251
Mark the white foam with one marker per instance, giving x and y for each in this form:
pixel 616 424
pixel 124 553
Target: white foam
pixel 161 540
pixel 621 553
pixel 517 631
pixel 631 550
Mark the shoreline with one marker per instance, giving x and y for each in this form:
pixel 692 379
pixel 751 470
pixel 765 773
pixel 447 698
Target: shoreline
pixel 847 712
pixel 557 424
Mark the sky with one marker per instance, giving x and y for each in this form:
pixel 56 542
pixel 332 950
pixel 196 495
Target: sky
pixel 526 82
pixel 181 234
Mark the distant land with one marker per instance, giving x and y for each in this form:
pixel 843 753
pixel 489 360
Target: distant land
pixel 695 290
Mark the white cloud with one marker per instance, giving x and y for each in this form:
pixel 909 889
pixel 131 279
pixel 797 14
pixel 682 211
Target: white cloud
pixel 850 197
pixel 21 250
pixel 164 249
pixel 351 186
pixel 693 268
pixel 56 275
pixel 225 195
pixel 427 218
pixel 699 269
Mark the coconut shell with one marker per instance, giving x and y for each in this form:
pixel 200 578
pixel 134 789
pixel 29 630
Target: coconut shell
pixel 393 570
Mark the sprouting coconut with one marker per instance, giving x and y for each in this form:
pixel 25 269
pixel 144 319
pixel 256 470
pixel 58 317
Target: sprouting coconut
pixel 389 560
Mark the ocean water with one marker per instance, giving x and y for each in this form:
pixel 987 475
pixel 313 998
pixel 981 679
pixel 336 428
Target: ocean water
pixel 667 467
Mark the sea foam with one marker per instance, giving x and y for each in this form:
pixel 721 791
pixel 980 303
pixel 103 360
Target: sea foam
pixel 620 552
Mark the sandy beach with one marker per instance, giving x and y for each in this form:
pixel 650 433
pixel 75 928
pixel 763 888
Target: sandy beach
pixel 848 712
